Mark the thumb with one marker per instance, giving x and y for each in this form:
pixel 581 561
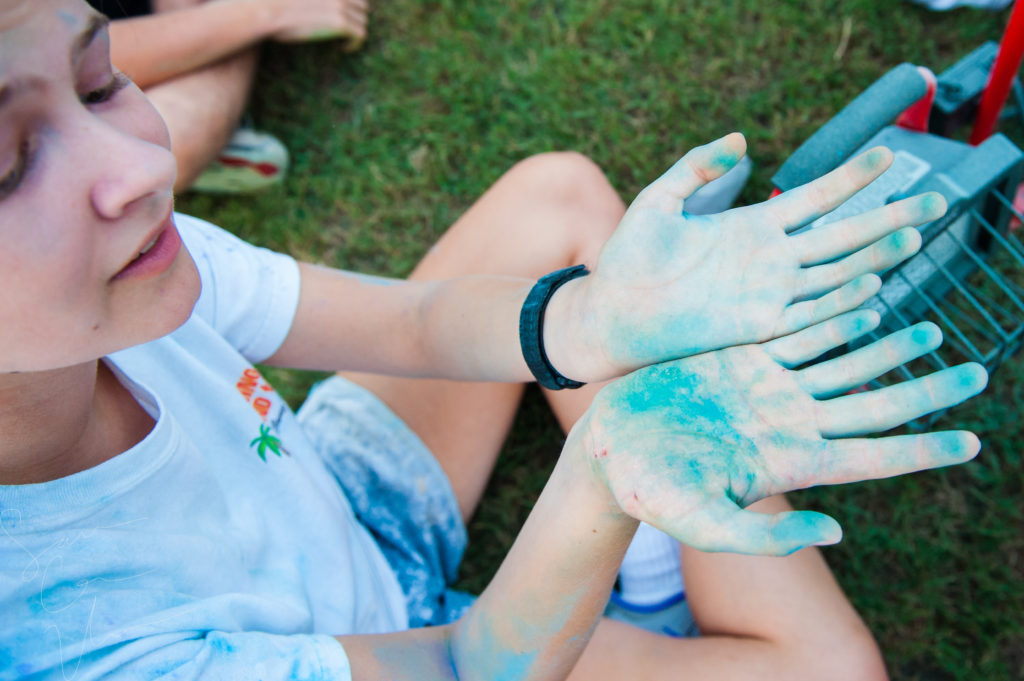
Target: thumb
pixel 721 525
pixel 694 170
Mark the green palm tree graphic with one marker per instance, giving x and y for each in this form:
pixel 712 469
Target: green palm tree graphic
pixel 264 441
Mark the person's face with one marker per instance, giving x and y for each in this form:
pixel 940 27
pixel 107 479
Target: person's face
pixel 86 175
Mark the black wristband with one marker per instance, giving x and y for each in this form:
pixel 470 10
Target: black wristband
pixel 531 328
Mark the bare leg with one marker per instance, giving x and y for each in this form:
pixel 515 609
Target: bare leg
pixel 762 618
pixel 547 212
pixel 202 108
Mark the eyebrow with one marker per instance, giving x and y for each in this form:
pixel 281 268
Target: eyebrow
pixel 17 86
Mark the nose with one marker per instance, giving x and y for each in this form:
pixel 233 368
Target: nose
pixel 133 170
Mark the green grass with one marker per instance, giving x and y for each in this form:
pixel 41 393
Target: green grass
pixel 391 145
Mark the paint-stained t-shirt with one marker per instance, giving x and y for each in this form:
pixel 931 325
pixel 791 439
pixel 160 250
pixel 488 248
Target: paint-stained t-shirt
pixel 219 547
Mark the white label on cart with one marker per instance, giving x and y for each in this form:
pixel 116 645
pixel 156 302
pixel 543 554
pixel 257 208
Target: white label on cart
pixel 905 171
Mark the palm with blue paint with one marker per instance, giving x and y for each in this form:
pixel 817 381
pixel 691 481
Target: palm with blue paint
pixel 669 284
pixel 686 445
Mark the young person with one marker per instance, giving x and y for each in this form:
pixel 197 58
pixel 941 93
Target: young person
pixel 163 513
pixel 196 61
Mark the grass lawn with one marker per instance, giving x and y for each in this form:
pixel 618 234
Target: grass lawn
pixel 391 145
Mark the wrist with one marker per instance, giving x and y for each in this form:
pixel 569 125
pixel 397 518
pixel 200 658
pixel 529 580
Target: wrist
pixel 583 456
pixel 533 316
pixel 565 336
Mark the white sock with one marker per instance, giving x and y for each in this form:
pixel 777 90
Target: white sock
pixel 651 571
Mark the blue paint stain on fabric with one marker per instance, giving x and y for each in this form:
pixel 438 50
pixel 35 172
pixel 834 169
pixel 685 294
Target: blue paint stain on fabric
pixel 398 492
pixel 301 671
pixel 220 643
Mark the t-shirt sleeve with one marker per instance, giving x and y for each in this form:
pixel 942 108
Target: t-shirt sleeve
pixel 249 293
pixel 238 656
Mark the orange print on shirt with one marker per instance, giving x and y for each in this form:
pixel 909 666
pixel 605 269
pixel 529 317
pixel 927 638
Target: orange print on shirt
pixel 250 382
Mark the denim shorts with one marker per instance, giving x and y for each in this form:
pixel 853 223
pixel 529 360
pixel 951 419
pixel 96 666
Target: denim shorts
pixel 402 496
pixel 397 490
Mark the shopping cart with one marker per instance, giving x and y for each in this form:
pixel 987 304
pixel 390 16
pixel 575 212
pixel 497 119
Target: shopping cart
pixel 969 275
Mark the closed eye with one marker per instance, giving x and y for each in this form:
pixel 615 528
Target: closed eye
pixel 117 83
pixel 13 178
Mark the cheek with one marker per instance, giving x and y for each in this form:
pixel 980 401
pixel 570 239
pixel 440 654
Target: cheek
pixel 46 326
pixel 146 310
pixel 46 252
pixel 47 266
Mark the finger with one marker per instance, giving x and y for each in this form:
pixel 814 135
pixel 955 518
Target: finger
pixel 828 242
pixel 894 405
pixel 853 370
pixel 799 206
pixel 843 461
pixel 694 170
pixel 724 526
pixel 803 346
pixel 877 257
pixel 845 298
pixel 356 16
pixel 355 40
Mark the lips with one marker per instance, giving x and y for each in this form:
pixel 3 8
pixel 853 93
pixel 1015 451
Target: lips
pixel 155 256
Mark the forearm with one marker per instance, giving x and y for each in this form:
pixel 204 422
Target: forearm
pixel 539 612
pixel 535 618
pixel 157 47
pixel 470 329
pixel 472 326
pixel 465 328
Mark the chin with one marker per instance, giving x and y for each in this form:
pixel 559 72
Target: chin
pixel 166 307
pixel 177 298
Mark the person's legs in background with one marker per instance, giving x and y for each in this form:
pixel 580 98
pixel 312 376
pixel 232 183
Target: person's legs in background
pixel 202 108
pixel 196 61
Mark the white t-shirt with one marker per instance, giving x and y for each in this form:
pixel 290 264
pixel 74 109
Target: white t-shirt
pixel 219 547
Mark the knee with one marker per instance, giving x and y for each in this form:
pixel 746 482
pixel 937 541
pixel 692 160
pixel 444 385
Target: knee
pixel 571 185
pixel 856 658
pixel 566 178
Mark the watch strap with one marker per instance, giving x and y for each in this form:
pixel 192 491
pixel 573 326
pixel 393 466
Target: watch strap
pixel 531 327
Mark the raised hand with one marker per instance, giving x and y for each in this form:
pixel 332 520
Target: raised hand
pixel 669 284
pixel 686 445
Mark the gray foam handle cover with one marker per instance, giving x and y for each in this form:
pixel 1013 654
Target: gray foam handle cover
pixel 834 142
